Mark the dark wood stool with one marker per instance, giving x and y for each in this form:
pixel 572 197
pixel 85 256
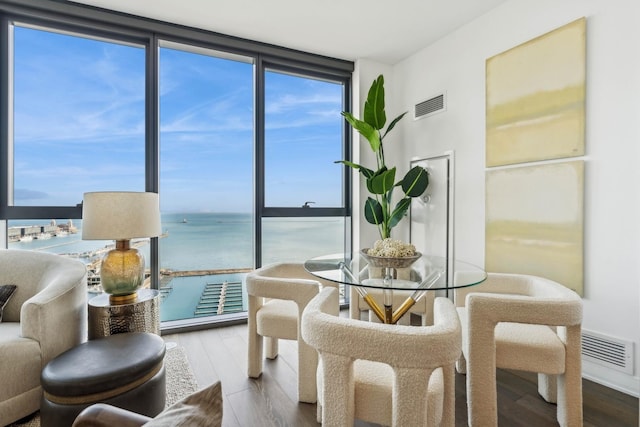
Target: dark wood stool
pixel 124 370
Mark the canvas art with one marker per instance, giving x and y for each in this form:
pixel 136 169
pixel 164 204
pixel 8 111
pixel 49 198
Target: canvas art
pixel 535 98
pixel 534 221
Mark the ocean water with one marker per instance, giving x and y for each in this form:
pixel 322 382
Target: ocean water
pixel 206 241
pixel 210 241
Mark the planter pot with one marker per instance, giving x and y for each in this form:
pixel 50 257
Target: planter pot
pixel 400 266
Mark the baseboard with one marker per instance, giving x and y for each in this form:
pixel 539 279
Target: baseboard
pixel 611 378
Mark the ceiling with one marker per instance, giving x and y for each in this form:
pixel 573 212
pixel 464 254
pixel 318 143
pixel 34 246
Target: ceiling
pixel 382 30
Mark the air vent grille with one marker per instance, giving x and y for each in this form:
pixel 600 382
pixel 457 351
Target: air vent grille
pixel 429 107
pixel 607 351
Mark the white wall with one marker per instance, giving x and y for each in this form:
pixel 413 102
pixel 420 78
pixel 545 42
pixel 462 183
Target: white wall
pixel 456 64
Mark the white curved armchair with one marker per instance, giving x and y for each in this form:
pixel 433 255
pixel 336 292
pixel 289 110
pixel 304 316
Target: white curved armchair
pixel 521 322
pixel 277 295
pixel 388 374
pixel 46 316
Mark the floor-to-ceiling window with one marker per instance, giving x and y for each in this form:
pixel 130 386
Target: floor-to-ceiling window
pixel 238 138
pixel 206 180
pixel 302 141
pixel 76 125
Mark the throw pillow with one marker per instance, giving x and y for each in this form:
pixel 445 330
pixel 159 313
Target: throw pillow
pixel 202 408
pixel 5 294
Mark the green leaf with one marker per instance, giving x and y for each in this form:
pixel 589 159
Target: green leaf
pixel 365 129
pixel 399 212
pixel 348 163
pixel 374 105
pixel 364 171
pixel 373 211
pixel 415 182
pixel 368 173
pixel 381 181
pixel 388 196
pixel 393 124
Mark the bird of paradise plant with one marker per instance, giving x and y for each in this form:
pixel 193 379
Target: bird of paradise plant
pixel 381 181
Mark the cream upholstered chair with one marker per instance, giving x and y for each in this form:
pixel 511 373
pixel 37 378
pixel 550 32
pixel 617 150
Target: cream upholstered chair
pixel 277 295
pixel 388 374
pixel 527 323
pixel 46 315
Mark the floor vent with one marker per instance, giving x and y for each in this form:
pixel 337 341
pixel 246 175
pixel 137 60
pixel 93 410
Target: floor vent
pixel 429 107
pixel 607 351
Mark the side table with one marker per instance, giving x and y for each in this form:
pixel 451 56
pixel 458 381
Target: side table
pixel 142 315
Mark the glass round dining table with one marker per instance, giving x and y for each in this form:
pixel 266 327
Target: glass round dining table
pixel 427 274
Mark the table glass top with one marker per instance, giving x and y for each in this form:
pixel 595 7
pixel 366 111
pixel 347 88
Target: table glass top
pixel 427 272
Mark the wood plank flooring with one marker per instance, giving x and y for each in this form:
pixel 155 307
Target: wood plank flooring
pixel 221 354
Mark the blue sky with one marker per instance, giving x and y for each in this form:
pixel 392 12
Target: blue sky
pixel 79 126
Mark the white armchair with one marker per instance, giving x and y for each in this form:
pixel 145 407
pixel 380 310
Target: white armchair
pixel 277 295
pixel 387 374
pixel 521 322
pixel 46 316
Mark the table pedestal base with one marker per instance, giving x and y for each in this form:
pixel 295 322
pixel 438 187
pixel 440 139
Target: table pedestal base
pixel 142 315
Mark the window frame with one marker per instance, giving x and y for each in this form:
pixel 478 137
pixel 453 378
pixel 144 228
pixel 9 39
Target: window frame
pixel 94 22
pixel 261 209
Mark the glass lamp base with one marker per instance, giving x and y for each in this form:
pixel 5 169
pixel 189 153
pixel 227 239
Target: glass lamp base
pixel 122 272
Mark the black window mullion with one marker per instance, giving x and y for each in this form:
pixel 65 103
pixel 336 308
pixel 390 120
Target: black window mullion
pixel 287 212
pixel 6 157
pixel 152 142
pixel 43 212
pixel 259 160
pixel 348 154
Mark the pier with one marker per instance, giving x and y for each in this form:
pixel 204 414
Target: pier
pixel 26 233
pixel 220 298
pixel 166 275
pixel 188 273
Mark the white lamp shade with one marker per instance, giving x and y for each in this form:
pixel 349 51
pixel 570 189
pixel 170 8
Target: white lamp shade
pixel 122 215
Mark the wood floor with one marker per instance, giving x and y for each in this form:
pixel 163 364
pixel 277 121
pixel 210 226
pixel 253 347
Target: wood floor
pixel 221 354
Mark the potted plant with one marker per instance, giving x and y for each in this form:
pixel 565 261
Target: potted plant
pixel 381 181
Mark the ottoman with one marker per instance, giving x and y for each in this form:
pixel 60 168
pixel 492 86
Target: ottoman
pixel 124 370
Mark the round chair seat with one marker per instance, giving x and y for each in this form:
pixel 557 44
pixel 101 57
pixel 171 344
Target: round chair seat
pixel 125 370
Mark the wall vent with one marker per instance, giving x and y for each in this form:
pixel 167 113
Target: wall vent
pixel 429 107
pixel 608 351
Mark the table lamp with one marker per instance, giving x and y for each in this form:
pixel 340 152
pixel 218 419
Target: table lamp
pixel 121 216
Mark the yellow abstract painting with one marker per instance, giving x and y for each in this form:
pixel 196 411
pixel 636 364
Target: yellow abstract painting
pixel 535 98
pixel 534 221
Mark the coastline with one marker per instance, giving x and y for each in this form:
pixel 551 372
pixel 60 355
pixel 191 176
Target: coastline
pixel 167 275
pixel 199 254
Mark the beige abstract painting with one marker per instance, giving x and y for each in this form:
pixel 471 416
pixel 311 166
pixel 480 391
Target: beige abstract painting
pixel 534 221
pixel 535 98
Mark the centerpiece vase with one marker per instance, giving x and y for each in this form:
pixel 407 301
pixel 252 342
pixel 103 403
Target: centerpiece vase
pixel 395 267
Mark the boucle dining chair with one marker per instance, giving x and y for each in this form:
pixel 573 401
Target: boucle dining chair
pixel 277 295
pixel 388 374
pixel 521 322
